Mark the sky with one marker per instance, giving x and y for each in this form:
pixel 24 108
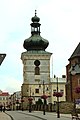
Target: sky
pixel 60 25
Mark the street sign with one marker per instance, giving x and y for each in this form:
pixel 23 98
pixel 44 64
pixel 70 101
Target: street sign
pixel 77 101
pixel 2 56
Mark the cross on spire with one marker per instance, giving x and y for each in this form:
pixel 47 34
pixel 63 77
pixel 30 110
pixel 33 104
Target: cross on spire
pixel 35 12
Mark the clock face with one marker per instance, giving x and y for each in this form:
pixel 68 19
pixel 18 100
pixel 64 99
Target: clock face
pixel 37 62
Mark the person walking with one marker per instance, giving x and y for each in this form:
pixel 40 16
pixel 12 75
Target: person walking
pixel 4 109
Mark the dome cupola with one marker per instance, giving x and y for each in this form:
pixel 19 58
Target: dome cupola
pixel 35 42
pixel 35 18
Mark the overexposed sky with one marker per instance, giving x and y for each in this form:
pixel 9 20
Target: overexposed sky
pixel 60 25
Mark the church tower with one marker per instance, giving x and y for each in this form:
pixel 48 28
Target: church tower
pixel 73 75
pixel 36 64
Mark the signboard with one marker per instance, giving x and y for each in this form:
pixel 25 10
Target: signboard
pixel 2 56
pixel 77 102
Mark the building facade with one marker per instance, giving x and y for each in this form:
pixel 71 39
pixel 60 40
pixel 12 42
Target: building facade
pixel 61 83
pixel 73 75
pixel 4 98
pixel 14 102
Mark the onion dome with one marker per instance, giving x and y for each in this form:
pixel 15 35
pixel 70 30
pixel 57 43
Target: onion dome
pixel 35 18
pixel 35 42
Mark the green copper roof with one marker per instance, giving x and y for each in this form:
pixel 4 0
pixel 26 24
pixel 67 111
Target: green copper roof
pixel 36 52
pixel 35 41
pixel 35 18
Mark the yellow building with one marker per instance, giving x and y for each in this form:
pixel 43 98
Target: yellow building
pixel 60 83
pixel 37 90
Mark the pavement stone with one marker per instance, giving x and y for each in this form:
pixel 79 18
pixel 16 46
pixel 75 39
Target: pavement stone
pixel 4 116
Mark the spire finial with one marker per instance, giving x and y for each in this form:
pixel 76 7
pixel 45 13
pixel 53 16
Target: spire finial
pixel 35 12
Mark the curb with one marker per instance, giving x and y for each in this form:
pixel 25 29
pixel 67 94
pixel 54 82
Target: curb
pixel 9 116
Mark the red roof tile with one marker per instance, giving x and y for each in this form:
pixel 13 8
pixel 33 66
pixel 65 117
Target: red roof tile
pixel 4 94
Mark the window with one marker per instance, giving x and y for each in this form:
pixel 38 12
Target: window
pixel 78 81
pixel 47 88
pixel 37 71
pixel 36 90
pixel 3 98
pixel 39 86
pixel 54 90
pixel 37 80
pixel 36 62
pixel 62 91
pixel 79 60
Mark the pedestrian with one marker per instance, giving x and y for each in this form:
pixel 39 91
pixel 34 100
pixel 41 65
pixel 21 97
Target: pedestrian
pixel 4 109
pixel 1 108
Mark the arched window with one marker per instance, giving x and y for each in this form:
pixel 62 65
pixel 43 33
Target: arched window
pixel 37 70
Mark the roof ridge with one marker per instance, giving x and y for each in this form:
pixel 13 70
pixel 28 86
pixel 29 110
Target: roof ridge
pixel 76 52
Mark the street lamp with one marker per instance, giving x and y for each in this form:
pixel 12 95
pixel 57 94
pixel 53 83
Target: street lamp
pixel 58 94
pixel 30 101
pixel 44 97
pixel 22 100
pixel 58 114
pixel 17 103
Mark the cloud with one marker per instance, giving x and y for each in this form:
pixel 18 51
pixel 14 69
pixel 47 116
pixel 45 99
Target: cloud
pixel 10 84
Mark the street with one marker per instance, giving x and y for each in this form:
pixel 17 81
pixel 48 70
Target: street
pixel 21 116
pixel 36 115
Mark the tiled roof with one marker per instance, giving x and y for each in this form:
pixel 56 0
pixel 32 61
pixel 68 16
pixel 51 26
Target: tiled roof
pixel 4 94
pixel 76 52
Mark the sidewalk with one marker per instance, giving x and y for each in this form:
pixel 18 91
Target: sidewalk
pixel 4 116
